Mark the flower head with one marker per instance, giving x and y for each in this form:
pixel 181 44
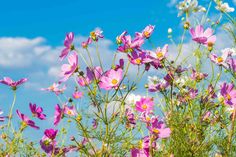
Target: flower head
pixel 48 142
pixel 111 79
pixel 37 111
pixel 144 105
pixel 68 43
pixel 70 110
pixel 223 7
pixel 160 53
pixel 55 89
pixel 77 95
pixel 58 115
pixel 147 32
pixel 26 121
pixel 228 93
pixel 219 60
pixel 159 129
pixel 97 33
pixel 203 37
pixel 13 84
pixel 69 69
pixel 189 6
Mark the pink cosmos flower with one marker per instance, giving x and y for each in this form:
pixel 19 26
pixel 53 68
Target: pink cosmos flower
pixel 139 153
pixel 58 115
pixel 144 104
pixel 68 43
pixel 1 117
pixel 54 88
pixel 111 79
pixel 97 33
pixel 26 121
pixel 197 76
pixel 232 64
pixel 130 45
pixel 203 37
pixel 229 94
pixel 219 60
pixel 69 69
pixel 137 58
pixel 77 95
pixel 70 110
pixel 159 129
pixel 86 43
pixel 119 38
pixel 13 84
pixel 160 53
pixel 37 111
pixel 147 32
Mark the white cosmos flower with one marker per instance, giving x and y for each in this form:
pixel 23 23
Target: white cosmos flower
pixel 224 7
pixel 189 6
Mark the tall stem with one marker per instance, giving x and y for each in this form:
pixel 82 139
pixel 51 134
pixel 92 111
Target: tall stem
pixel 10 113
pixel 231 133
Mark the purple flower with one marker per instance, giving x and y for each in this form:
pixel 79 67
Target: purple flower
pixel 58 115
pixel 69 69
pixel 26 121
pixel 95 124
pixel 144 105
pixel 130 118
pixel 97 33
pixel 13 84
pixel 37 111
pixel 48 142
pixel 137 58
pixel 130 45
pixel 229 94
pixel 232 64
pixel 147 32
pixel 68 43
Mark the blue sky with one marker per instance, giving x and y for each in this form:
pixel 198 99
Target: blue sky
pixel 32 33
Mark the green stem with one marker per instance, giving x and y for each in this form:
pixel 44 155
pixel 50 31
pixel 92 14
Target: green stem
pixel 10 113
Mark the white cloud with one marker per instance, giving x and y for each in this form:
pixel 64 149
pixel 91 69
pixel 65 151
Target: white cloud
pixel 172 3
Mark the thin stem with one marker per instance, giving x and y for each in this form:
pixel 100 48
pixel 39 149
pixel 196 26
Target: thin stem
pixel 10 113
pixel 231 133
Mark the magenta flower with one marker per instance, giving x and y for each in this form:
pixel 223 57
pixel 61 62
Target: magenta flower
pixel 229 94
pixel 147 32
pixel 26 121
pixel 54 88
pixel 48 142
pixel 111 79
pixel 203 37
pixel 159 129
pixel 13 84
pixel 1 117
pixel 68 43
pixel 130 45
pixel 97 33
pixel 160 53
pixel 71 68
pixel 58 115
pixel 70 110
pixel 137 58
pixel 144 104
pixel 77 95
pixel 37 111
pixel 139 153
pixel 130 118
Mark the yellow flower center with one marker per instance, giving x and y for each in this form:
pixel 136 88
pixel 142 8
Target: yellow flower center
pixel 69 112
pixel 210 44
pixel 146 34
pixel 114 81
pixel 228 96
pixel 144 106
pixel 93 35
pixel 155 130
pixel 159 54
pixel 138 61
pixel 220 59
pixel 148 119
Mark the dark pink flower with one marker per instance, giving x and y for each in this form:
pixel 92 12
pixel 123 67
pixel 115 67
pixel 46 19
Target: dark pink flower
pixel 37 111
pixel 48 142
pixel 203 37
pixel 26 121
pixel 159 129
pixel 13 84
pixel 111 79
pixel 69 69
pixel 137 58
pixel 95 124
pixel 68 43
pixel 130 45
pixel 144 105
pixel 229 94
pixel 58 115
pixel 86 43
